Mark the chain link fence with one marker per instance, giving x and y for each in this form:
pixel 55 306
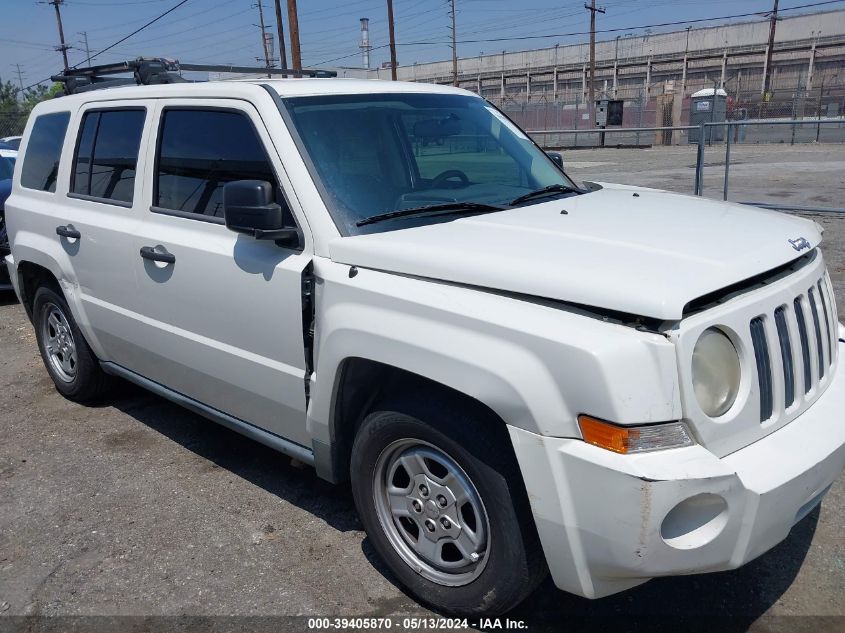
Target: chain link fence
pixel 542 101
pixel 12 124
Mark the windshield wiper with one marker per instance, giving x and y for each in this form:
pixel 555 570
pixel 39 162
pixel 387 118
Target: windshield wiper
pixel 545 191
pixel 451 207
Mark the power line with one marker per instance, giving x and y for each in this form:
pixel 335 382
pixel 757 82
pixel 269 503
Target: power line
pixel 20 76
pixel 634 28
pixel 135 32
pixel 120 41
pixel 574 33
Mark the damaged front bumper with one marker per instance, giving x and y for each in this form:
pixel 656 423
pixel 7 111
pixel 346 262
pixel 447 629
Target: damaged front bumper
pixel 609 522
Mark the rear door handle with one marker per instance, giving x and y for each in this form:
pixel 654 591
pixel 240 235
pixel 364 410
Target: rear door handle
pixel 149 252
pixel 68 231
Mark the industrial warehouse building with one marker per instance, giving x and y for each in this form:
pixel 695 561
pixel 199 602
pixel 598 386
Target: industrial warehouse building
pixel 655 74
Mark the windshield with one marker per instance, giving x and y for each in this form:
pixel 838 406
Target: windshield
pixel 376 154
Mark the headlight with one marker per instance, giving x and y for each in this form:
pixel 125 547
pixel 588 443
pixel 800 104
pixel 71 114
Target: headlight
pixel 715 372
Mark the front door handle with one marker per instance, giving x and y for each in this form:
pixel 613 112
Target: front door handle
pixel 149 252
pixel 68 231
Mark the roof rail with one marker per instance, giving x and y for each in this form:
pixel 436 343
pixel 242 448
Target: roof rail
pixel 147 71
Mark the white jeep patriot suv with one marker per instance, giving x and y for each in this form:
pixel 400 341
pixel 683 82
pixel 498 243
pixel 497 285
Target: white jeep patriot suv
pixel 391 282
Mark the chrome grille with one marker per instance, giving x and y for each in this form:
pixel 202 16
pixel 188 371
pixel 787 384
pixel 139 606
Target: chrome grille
pixel 811 318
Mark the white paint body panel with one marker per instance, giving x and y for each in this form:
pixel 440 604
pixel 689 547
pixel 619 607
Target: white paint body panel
pixel 494 306
pixel 599 514
pixel 536 365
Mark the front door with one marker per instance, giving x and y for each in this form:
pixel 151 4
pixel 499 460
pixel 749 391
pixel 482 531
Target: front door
pixel 222 311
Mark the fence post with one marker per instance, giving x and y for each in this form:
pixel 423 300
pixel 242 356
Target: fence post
pixel 727 158
pixel 699 161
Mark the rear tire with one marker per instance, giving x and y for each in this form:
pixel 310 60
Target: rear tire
pixel 472 484
pixel 70 362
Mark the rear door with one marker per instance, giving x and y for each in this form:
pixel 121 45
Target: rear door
pixel 95 215
pixel 222 320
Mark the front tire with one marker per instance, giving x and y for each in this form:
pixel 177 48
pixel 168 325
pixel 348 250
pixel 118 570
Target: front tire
pixel 445 509
pixel 70 362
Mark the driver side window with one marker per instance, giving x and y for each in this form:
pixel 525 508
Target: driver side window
pixel 199 151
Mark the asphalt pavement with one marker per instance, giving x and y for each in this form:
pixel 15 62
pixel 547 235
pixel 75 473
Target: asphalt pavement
pixel 136 507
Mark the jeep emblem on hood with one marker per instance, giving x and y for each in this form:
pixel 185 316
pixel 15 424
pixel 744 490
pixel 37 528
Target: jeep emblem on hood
pixel 799 243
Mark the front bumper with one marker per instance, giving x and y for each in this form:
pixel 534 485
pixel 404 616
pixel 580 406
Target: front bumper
pixel 608 522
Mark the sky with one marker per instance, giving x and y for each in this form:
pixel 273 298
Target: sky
pixel 226 31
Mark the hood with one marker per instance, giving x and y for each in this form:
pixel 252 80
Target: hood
pixel 632 250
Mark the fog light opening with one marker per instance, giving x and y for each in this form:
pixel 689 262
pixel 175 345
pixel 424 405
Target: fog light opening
pixel 695 522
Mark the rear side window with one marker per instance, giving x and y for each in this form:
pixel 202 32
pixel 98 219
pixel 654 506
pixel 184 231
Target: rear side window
pixel 43 151
pixel 199 151
pixel 107 154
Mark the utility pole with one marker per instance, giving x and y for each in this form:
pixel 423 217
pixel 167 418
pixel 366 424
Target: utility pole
pixel 263 36
pixel 293 25
pixel 454 45
pixel 393 39
pixel 20 77
pixel 593 10
pixel 767 80
pixel 84 35
pixel 283 58
pixel 62 47
pixel 592 106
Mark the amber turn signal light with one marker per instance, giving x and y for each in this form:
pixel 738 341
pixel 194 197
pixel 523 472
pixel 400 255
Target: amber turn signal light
pixel 633 439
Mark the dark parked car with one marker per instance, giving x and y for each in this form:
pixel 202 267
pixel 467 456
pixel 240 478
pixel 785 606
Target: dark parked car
pixel 7 167
pixel 11 142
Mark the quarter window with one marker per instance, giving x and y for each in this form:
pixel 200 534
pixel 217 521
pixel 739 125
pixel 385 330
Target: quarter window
pixel 199 152
pixel 41 161
pixel 107 154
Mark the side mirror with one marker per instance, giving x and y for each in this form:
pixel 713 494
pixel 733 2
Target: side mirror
pixel 557 158
pixel 249 208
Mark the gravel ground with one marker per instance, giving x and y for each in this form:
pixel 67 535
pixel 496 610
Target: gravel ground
pixel 140 508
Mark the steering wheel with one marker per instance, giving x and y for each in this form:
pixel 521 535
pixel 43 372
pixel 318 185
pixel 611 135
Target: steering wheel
pixel 441 180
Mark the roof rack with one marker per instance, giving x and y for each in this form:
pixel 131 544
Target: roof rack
pixel 147 71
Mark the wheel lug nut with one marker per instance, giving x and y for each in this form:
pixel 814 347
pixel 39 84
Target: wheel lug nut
pixel 441 501
pixel 423 490
pixel 416 505
pixel 429 525
pixel 445 522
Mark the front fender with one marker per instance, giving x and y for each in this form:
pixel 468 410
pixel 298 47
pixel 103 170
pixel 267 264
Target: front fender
pixel 536 365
